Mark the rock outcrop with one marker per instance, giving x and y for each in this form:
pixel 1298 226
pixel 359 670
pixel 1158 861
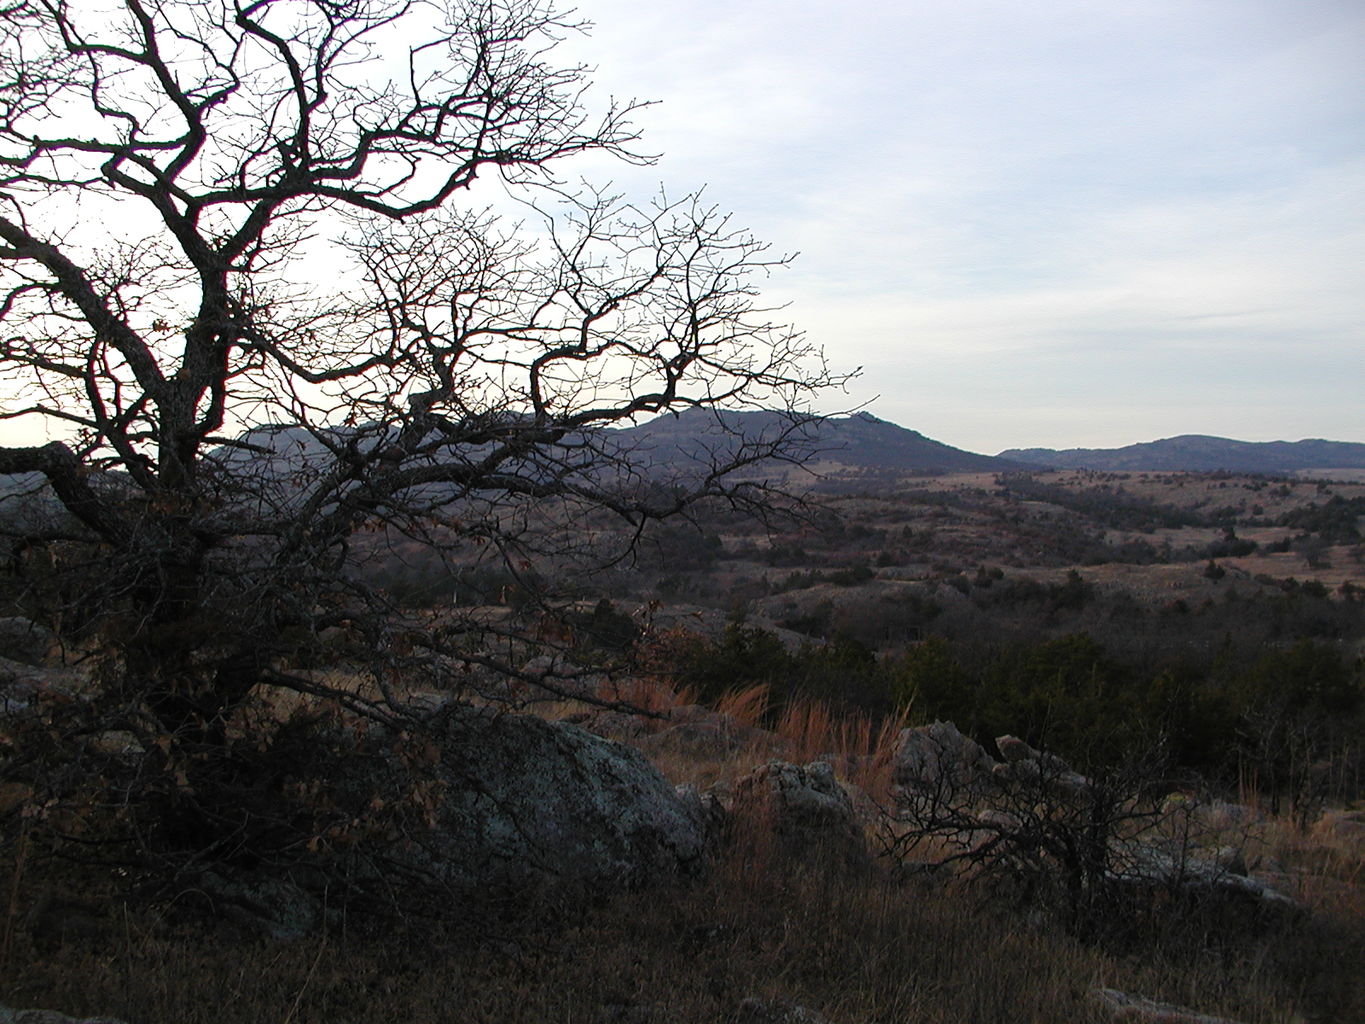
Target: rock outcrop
pixel 775 1011
pixel 25 641
pixel 1214 878
pixel 798 814
pixel 938 757
pixel 1118 1006
pixel 497 804
pixel 1025 765
pixel 22 685
pixel 259 905
pixel 8 1016
pixel 947 786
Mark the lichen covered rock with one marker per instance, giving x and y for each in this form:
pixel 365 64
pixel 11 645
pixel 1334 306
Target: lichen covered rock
pixel 798 813
pixel 512 803
pixel 938 757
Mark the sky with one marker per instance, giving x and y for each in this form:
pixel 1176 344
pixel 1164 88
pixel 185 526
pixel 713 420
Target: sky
pixel 1084 223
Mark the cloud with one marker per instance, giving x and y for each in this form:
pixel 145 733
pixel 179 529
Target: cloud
pixel 1034 223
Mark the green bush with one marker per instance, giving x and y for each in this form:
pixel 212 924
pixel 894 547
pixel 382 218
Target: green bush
pixel 929 680
pixel 842 671
pixel 743 656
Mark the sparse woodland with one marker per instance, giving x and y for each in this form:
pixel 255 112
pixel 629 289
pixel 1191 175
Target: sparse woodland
pixel 365 656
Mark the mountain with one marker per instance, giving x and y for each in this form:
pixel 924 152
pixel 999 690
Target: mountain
pixel 858 442
pixel 1200 453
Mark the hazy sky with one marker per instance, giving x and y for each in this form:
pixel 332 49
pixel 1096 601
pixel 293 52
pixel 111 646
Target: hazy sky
pixel 1061 224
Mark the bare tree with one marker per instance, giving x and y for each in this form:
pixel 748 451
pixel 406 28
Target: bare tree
pixel 1035 833
pixel 1108 855
pixel 247 287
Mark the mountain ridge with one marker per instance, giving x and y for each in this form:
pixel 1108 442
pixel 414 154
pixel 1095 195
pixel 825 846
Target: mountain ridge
pixel 1202 453
pixel 859 441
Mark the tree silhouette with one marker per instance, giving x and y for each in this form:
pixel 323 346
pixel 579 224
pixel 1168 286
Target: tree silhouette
pixel 252 293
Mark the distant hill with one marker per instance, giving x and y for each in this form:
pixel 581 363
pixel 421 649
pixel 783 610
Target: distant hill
pixel 857 450
pixel 857 442
pixel 1199 453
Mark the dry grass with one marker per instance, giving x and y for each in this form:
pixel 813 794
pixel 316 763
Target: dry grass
pixel 648 695
pixel 749 705
pixel 855 950
pixel 861 746
pixel 690 954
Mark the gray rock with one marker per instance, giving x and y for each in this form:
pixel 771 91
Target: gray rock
pixel 866 810
pixel 1025 765
pixel 22 685
pixel 25 641
pixel 261 905
pixel 706 807
pixel 938 757
pixel 798 813
pixel 1015 751
pixel 8 1016
pixel 511 803
pixel 775 1011
pixel 564 678
pixel 1119 1006
pixel 1148 865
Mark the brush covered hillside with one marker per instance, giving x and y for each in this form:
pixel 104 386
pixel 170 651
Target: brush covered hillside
pixel 1197 453
pixel 450 692
pixel 1186 649
pixel 1088 612
pixel 1177 655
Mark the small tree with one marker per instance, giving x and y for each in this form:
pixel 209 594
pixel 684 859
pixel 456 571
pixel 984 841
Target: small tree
pixel 1099 852
pixel 241 412
pixel 1297 732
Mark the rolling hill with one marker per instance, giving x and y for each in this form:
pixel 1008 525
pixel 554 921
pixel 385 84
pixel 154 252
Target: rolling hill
pixel 860 442
pixel 1199 453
